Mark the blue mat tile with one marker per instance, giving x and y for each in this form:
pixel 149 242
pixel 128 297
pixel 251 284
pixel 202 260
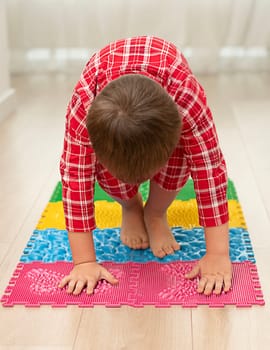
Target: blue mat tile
pixel 52 245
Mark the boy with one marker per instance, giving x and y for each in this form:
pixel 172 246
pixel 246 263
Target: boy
pixel 139 113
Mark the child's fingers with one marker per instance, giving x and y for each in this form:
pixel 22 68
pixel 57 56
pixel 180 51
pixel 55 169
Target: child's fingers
pixel 206 285
pixel 64 282
pixel 91 284
pixel 202 284
pixel 71 286
pixel 218 284
pixel 227 282
pixel 109 277
pixel 194 272
pixel 79 287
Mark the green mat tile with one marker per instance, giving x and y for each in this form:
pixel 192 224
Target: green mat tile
pixel 57 193
pixel 186 193
pixel 231 191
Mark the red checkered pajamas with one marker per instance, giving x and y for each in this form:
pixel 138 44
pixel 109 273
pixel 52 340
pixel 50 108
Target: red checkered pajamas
pixel 197 154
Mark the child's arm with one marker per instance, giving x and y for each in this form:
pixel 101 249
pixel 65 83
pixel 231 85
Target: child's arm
pixel 86 271
pixel 82 247
pixel 215 267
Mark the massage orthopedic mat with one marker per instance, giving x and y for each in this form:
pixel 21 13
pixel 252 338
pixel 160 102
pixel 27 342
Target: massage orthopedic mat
pixel 143 278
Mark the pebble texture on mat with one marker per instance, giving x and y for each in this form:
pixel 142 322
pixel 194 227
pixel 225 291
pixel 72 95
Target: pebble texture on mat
pixel 52 245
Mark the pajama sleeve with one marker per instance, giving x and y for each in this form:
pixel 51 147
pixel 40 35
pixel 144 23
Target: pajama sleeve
pixel 205 158
pixel 77 168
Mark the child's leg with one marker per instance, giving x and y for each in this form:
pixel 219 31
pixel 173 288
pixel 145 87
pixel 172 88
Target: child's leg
pixel 161 239
pixel 133 231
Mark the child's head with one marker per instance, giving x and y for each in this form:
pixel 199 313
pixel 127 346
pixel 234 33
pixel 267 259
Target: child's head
pixel 134 126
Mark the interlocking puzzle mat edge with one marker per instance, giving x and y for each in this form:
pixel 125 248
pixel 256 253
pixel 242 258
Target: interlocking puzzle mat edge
pixel 253 273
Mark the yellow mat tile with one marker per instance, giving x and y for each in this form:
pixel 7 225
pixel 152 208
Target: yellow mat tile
pixel 108 214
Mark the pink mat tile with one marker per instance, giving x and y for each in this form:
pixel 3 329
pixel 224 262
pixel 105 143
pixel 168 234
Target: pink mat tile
pixel 152 283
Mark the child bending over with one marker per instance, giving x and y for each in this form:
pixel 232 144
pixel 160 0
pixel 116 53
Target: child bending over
pixel 139 113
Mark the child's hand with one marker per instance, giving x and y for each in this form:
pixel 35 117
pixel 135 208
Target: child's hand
pixel 215 272
pixel 86 275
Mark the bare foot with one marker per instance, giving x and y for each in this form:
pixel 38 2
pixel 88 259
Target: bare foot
pixel 133 231
pixel 162 241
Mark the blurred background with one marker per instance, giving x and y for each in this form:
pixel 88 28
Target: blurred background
pixel 60 36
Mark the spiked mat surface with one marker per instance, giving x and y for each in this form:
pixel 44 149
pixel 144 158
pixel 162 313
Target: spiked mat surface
pixel 143 278
pixel 161 285
pixel 108 214
pixel 182 212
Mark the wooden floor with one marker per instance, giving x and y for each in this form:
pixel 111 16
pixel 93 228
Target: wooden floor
pixel 30 145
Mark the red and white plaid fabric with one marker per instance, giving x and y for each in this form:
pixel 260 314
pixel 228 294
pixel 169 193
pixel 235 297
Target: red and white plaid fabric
pixel 198 153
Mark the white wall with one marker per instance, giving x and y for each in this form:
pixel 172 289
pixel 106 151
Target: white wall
pixel 7 94
pixel 215 35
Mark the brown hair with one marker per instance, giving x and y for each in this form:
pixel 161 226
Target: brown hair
pixel 134 126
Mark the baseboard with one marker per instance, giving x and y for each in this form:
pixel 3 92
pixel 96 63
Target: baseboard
pixel 7 103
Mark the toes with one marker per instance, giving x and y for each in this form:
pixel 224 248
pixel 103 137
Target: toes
pixel 168 250
pixel 145 244
pixel 125 241
pixel 135 244
pixel 176 246
pixel 160 253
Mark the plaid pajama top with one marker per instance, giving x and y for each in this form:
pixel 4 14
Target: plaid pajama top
pixel 197 153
